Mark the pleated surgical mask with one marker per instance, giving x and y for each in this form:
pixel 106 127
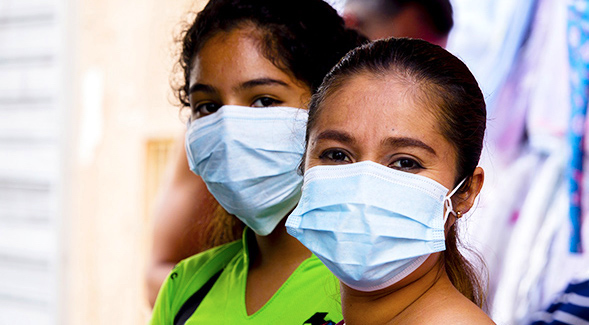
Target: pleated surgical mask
pixel 369 224
pixel 248 159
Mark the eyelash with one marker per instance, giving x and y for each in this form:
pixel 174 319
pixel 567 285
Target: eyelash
pixel 198 110
pixel 201 109
pixel 416 165
pixel 325 155
pixel 328 155
pixel 274 102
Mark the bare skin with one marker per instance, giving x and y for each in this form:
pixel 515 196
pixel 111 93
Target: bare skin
pixel 229 70
pixel 277 256
pixel 378 119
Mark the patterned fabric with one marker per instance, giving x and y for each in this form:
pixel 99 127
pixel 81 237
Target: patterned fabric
pixel 578 39
pixel 571 307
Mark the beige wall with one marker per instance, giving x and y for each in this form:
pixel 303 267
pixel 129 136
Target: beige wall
pixel 124 48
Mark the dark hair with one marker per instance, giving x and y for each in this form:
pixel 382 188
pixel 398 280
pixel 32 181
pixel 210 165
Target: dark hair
pixel 446 85
pixel 305 38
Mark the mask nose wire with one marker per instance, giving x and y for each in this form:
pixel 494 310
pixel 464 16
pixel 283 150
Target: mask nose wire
pixel 448 201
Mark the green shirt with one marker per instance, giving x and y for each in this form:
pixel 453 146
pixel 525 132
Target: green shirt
pixel 311 293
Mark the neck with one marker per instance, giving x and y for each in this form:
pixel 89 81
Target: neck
pixel 272 261
pixel 278 248
pixel 388 306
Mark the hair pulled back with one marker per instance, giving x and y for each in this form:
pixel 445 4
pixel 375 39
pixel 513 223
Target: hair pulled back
pixel 450 90
pixel 304 38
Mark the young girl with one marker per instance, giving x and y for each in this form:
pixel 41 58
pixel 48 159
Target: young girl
pixel 250 66
pixel 394 137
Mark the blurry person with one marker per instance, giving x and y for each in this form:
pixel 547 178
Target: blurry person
pixel 429 20
pixel 250 67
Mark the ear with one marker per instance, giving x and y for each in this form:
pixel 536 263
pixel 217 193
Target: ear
pixel 463 202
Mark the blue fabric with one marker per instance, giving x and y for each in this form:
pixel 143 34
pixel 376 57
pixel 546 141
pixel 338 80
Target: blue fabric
pixel 371 225
pixel 578 40
pixel 571 307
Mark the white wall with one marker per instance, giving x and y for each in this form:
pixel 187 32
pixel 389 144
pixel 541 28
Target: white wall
pixel 32 81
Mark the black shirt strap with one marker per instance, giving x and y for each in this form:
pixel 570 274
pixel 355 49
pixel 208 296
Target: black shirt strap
pixel 194 301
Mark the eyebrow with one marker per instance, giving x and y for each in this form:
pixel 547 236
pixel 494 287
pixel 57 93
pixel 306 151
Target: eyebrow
pixel 404 142
pixel 246 85
pixel 202 88
pixel 339 136
pixel 261 82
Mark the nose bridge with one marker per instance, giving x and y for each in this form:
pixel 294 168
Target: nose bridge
pixel 369 147
pixel 231 99
pixel 226 97
pixel 231 96
pixel 369 158
pixel 368 153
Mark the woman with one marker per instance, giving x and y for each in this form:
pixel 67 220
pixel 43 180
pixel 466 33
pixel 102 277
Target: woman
pixel 239 58
pixel 393 139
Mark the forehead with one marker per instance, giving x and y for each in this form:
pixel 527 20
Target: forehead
pixel 373 108
pixel 379 98
pixel 236 54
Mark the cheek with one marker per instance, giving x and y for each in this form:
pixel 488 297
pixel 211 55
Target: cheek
pixel 310 159
pixel 451 168
pixel 444 170
pixel 446 175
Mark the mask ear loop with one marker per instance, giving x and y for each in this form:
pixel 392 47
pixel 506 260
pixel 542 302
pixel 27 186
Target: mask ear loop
pixel 448 201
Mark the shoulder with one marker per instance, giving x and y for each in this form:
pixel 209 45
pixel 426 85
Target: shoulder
pixel 213 259
pixel 443 304
pixel 454 308
pixel 460 314
pixel 189 275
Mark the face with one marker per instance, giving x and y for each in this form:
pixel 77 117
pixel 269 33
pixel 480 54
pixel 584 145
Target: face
pixel 230 70
pixel 378 119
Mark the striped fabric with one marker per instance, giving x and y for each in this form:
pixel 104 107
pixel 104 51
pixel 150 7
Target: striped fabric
pixel 571 307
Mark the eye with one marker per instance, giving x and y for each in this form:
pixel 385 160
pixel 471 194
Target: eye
pixel 406 164
pixel 266 102
pixel 204 109
pixel 335 156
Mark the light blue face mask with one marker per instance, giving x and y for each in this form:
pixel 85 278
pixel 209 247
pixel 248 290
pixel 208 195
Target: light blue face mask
pixel 369 224
pixel 248 159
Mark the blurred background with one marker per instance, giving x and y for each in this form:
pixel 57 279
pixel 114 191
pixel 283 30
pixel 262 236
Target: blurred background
pixel 87 118
pixel 88 121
